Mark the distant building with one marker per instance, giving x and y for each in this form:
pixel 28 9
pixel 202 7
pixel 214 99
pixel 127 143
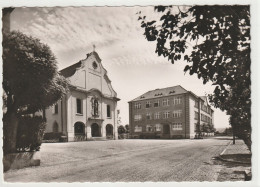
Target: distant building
pixel 169 113
pixel 90 108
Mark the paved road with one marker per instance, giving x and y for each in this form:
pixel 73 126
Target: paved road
pixel 125 161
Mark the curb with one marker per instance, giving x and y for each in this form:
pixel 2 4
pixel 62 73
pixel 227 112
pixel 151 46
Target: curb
pixel 226 160
pixel 238 162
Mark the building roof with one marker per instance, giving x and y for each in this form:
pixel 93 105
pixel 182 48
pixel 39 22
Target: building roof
pixel 70 70
pixel 204 98
pixel 157 93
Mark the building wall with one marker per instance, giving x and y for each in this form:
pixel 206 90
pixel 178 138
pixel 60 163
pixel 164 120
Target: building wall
pixel 192 117
pixel 187 118
pixel 143 111
pixel 51 118
pixel 90 82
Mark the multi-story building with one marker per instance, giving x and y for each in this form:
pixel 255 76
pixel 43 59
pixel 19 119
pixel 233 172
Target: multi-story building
pixel 89 108
pixel 170 112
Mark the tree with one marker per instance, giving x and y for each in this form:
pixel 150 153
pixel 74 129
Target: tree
pixel 121 129
pixel 205 128
pixel 127 128
pixel 31 82
pixel 219 40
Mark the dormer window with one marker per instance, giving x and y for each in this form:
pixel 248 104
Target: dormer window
pixel 94 65
pixel 172 92
pixel 142 97
pixel 158 94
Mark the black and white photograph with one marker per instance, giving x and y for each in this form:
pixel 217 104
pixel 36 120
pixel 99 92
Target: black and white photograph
pixel 155 93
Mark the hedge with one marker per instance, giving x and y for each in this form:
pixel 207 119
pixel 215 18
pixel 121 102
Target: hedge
pixel 52 136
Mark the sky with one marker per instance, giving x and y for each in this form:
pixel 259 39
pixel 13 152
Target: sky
pixel 132 64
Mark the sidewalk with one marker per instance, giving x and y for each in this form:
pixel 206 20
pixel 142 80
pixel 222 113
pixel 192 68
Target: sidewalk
pixel 237 153
pixel 236 160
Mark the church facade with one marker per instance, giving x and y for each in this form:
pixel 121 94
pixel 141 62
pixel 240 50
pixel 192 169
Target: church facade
pixel 89 109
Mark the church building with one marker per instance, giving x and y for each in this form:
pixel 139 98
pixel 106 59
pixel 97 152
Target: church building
pixel 89 109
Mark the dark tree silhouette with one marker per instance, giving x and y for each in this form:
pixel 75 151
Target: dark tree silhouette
pixel 121 129
pixel 31 82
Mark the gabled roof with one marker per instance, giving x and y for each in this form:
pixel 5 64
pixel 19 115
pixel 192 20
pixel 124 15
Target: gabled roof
pixel 157 93
pixel 70 70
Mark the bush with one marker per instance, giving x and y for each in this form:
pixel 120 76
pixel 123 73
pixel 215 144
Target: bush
pixel 52 136
pixel 30 133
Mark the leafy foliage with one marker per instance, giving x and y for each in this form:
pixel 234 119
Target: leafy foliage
pixel 30 133
pixel 30 79
pixel 127 128
pixel 215 42
pixel 31 83
pixel 121 129
pixel 52 136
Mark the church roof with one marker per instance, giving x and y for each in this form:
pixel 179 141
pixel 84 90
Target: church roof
pixel 157 93
pixel 70 70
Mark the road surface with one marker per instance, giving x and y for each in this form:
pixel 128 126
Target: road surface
pixel 125 161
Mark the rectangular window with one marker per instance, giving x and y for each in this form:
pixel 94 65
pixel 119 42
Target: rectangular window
pixel 177 100
pixel 55 109
pixel 137 106
pixel 177 126
pixel 157 115
pixel 177 113
pixel 148 104
pixel 148 116
pixel 157 103
pixel 138 128
pixel 137 117
pixel 165 102
pixel 149 128
pixel 79 106
pixel 166 114
pixel 108 111
pixel 196 104
pixel 158 127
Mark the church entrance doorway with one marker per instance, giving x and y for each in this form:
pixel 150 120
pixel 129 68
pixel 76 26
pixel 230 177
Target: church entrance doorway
pixel 79 131
pixel 95 130
pixel 109 131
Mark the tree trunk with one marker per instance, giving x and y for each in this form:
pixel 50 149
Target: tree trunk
pixel 247 140
pixel 10 126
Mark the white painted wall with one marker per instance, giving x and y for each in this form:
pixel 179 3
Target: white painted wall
pixel 92 82
pixel 192 117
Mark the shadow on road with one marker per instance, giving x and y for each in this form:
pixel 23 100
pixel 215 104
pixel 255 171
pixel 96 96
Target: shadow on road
pixel 234 160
